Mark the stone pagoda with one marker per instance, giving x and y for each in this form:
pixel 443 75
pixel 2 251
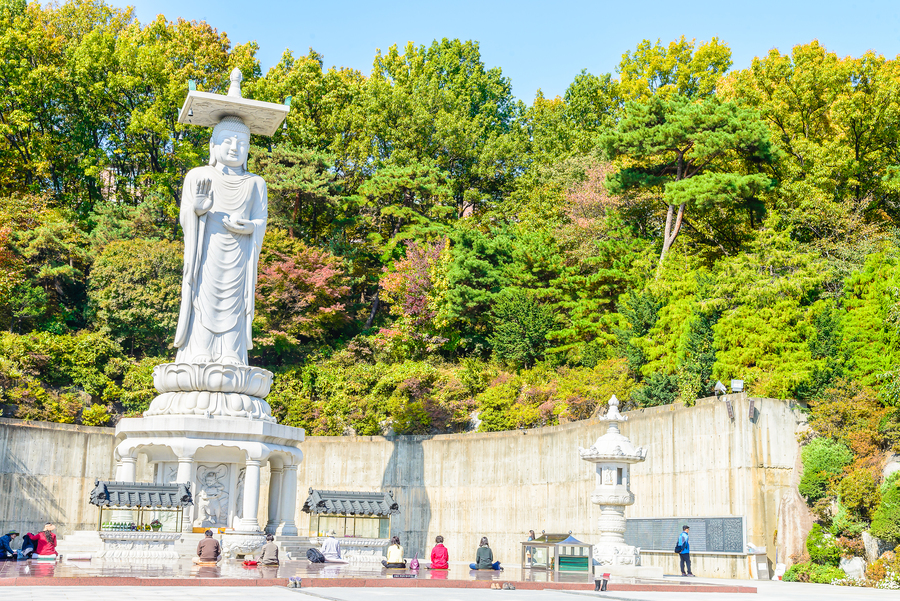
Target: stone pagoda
pixel 613 454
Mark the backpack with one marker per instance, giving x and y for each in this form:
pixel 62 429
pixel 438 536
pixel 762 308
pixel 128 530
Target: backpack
pixel 315 556
pixel 678 546
pixel 414 562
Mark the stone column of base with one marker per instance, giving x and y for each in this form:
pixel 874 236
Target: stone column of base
pixel 275 474
pixel 129 469
pixel 612 524
pixel 183 476
pixel 288 501
pixel 250 522
pixel 118 477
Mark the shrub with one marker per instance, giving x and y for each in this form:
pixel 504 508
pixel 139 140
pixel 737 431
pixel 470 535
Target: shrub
pixel 822 548
pixel 520 325
pixel 95 415
pixel 823 459
pixel 812 572
pixel 845 524
pixel 851 547
pixel 660 389
pixel 886 517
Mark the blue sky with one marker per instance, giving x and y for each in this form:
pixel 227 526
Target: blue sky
pixel 539 44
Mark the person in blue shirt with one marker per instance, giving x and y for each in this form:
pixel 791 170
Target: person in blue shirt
pixel 685 544
pixel 6 550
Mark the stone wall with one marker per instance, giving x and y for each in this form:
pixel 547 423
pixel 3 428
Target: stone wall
pixel 47 472
pixel 464 486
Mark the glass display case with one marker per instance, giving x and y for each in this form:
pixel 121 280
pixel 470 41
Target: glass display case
pixel 350 526
pixel 557 553
pixel 139 519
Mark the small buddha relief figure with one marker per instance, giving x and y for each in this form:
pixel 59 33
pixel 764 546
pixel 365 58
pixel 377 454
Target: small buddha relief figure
pixel 224 209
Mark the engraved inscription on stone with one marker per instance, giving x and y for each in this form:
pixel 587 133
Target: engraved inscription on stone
pixel 712 535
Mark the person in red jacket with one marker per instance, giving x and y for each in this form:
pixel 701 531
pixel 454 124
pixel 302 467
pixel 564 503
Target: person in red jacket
pixel 46 541
pixel 439 555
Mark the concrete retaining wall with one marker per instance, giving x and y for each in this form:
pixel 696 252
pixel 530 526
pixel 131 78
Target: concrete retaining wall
pixel 464 486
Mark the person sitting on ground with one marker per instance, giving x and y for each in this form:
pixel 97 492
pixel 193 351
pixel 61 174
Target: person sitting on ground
pixel 269 555
pixel 6 550
pixel 439 555
pixel 394 555
pixel 331 549
pixel 484 557
pixel 46 543
pixel 208 550
pixel 29 544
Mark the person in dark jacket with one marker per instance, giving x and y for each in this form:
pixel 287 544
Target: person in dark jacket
pixel 484 557
pixel 6 550
pixel 685 544
pixel 208 550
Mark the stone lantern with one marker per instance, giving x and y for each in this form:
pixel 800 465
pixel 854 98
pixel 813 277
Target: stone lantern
pixel 613 455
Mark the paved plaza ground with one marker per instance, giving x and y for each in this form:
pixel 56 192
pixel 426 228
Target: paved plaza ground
pixel 88 581
pixel 771 591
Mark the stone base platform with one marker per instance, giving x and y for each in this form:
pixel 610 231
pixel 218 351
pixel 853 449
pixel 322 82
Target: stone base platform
pixel 98 572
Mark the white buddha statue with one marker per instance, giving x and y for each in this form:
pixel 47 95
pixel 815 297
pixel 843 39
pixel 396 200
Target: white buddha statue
pixel 224 209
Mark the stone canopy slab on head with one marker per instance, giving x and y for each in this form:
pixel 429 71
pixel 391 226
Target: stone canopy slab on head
pixel 207 110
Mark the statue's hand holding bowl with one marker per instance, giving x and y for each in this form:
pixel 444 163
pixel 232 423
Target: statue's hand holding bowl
pixel 204 199
pixel 238 226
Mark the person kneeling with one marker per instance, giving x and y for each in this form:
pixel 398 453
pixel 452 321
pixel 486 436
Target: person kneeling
pixel 209 551
pixel 484 557
pixel 394 555
pixel 269 555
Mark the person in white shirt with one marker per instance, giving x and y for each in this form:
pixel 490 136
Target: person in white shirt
pixel 331 549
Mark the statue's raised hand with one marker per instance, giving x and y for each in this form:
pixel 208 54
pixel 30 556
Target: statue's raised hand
pixel 203 201
pixel 238 226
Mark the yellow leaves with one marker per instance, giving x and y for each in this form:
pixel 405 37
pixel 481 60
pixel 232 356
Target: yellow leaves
pixel 682 68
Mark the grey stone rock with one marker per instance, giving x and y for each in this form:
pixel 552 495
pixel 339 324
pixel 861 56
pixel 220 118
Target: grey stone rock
pixel 892 465
pixel 855 567
pixel 874 547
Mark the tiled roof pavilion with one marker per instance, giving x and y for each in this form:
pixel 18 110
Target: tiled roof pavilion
pixel 140 494
pixel 339 502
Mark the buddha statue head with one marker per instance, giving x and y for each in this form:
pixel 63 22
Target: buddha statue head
pixel 230 143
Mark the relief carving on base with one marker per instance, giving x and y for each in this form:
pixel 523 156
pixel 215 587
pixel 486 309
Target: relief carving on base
pixel 212 498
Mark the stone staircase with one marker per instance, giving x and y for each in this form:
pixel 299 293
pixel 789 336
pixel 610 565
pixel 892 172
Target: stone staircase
pixel 295 547
pixel 79 543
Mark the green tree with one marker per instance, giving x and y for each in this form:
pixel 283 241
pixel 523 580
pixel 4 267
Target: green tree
pixel 823 460
pixel 886 518
pixel 836 120
pixel 693 152
pixel 135 291
pixel 302 189
pixel 520 328
pixel 681 68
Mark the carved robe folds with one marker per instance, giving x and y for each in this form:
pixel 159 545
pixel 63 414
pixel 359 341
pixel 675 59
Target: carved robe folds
pixel 219 277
